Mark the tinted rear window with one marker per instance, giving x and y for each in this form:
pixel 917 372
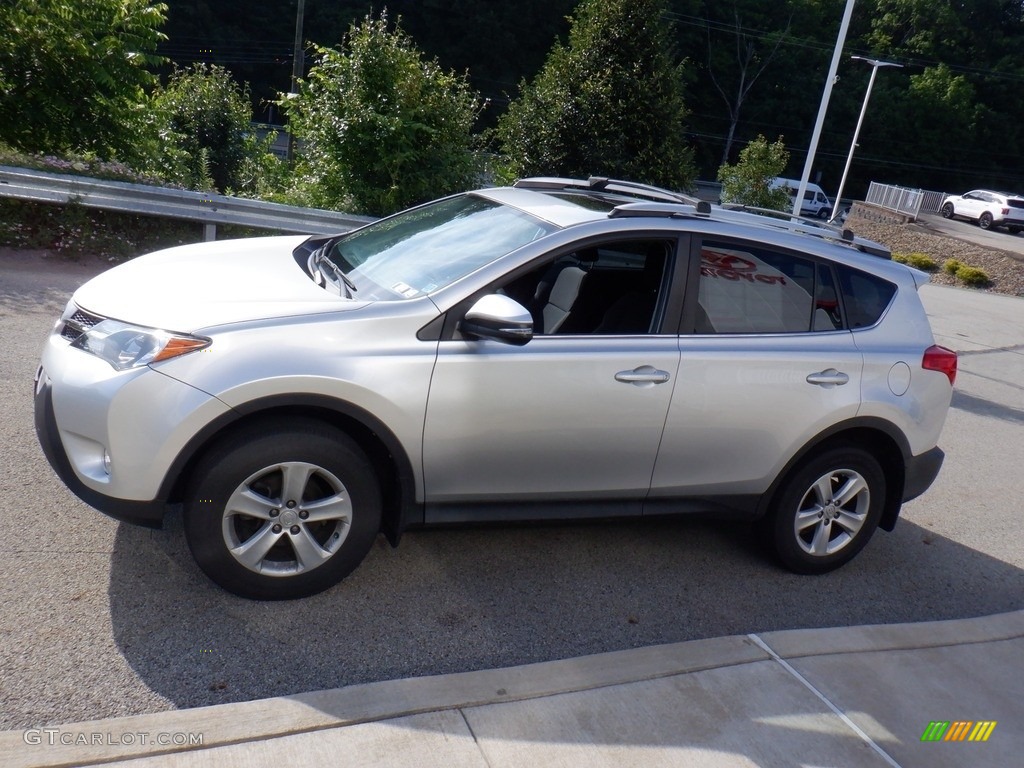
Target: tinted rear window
pixel 864 296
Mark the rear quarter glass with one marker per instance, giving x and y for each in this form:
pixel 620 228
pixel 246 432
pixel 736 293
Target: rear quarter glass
pixel 865 296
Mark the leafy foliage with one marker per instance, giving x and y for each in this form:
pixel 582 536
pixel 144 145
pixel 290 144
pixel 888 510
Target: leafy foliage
pixel 749 180
pixel 609 103
pixel 382 126
pixel 204 117
pixel 73 75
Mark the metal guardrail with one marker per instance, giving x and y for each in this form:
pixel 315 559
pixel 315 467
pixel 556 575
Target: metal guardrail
pixel 143 199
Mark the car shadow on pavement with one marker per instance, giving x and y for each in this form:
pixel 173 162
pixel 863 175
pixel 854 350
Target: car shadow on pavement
pixel 456 600
pixel 982 407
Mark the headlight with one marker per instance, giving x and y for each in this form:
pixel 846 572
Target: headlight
pixel 129 346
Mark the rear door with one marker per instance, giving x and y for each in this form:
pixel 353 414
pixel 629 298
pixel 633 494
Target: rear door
pixel 765 364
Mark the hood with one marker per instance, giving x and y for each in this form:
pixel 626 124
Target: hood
pixel 197 286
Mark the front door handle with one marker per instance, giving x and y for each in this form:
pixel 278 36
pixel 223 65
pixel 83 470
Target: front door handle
pixel 643 376
pixel 830 377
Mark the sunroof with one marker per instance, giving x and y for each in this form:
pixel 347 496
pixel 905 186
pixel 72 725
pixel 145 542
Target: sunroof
pixel 589 201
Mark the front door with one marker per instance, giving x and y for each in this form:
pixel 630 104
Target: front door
pixel 578 412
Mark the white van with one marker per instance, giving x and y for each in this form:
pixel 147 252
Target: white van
pixel 816 202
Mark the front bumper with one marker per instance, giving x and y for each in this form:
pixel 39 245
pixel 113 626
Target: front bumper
pixel 148 513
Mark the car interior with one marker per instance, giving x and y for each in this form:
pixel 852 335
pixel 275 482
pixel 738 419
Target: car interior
pixel 610 289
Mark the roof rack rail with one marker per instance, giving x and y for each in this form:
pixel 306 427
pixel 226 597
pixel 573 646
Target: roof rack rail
pixel 604 184
pixel 813 227
pixel 780 220
pixel 845 234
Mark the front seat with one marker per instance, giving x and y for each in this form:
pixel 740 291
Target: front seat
pixel 566 286
pixel 633 312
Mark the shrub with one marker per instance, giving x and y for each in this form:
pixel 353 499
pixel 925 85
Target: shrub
pixel 920 261
pixel 952 266
pixel 204 117
pixel 972 276
pixel 382 126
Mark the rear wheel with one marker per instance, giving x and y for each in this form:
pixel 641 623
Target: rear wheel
pixel 282 510
pixel 827 510
pixel 985 221
pixel 947 211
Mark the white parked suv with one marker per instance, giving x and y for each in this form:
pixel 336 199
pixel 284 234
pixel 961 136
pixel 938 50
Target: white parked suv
pixel 557 349
pixel 989 209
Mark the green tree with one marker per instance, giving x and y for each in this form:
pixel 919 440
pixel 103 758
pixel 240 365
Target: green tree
pixel 73 75
pixel 610 103
pixel 749 180
pixel 382 127
pixel 205 116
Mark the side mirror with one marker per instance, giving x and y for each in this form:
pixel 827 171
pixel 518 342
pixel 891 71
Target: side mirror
pixel 498 318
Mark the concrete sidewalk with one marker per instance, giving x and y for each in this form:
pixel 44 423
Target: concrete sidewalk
pixel 855 696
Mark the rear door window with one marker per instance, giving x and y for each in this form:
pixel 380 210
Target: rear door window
pixel 746 288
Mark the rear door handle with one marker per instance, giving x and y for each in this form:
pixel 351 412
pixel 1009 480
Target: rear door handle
pixel 830 377
pixel 643 376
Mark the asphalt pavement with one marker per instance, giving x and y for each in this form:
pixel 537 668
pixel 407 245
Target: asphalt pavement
pixel 931 695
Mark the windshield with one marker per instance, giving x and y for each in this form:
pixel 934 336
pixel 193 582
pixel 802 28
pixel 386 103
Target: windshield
pixel 427 248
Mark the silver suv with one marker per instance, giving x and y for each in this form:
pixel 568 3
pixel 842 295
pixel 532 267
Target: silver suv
pixel 556 349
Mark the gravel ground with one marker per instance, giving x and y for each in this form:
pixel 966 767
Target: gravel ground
pixel 1005 270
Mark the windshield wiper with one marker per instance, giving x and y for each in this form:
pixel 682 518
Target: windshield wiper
pixel 321 259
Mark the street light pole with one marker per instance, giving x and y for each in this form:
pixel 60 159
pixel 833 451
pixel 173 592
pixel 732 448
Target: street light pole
pixel 875 64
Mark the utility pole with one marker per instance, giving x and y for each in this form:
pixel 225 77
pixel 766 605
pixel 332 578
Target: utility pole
pixel 298 62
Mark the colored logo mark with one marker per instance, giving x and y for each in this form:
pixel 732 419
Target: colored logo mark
pixel 958 730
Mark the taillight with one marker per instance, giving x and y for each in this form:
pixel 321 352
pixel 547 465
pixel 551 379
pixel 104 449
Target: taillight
pixel 940 359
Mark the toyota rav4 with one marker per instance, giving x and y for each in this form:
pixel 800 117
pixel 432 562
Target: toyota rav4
pixel 557 349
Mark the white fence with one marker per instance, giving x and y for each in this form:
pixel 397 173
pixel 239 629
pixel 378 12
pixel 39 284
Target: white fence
pixel 208 209
pixel 912 202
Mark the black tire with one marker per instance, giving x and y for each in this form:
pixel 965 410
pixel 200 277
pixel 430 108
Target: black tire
pixel 330 478
pixel 985 220
pixel 947 211
pixel 826 525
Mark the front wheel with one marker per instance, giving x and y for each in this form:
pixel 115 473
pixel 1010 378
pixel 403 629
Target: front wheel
pixel 827 510
pixel 282 510
pixel 985 222
pixel 947 211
